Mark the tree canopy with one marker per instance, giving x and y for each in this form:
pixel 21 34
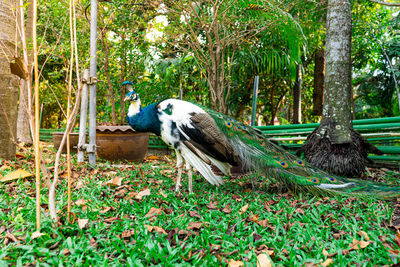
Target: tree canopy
pixel 209 52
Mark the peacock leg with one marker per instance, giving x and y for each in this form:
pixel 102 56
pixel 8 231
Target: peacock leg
pixel 179 165
pixel 190 176
pixel 252 182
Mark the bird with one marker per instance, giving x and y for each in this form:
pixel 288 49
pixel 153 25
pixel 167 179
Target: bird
pixel 205 139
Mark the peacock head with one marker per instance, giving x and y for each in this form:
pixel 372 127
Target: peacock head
pixel 132 96
pixel 128 85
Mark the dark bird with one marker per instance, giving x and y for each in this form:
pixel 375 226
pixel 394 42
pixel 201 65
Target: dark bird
pixel 205 138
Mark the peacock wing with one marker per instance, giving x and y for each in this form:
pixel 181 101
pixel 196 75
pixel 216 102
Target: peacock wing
pixel 204 134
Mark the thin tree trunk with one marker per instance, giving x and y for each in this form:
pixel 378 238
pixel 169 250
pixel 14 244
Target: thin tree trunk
pixel 319 84
pixel 122 79
pixel 245 99
pixel 297 96
pixel 111 94
pixel 23 127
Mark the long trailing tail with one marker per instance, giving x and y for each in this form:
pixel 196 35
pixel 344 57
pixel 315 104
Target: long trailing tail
pixel 259 154
pixel 271 160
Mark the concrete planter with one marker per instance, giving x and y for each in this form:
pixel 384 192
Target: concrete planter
pixel 73 141
pixel 121 143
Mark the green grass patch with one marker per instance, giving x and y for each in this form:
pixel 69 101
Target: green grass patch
pixel 210 227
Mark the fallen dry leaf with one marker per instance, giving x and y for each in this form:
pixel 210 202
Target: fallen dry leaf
pixel 265 249
pixel 143 193
pixel 11 237
pixel 299 210
pixel 110 220
pixel 397 238
pixel 227 209
pixel 80 202
pixel 152 157
pixel 194 225
pixel 82 223
pixel 194 214
pixel 358 244
pixel 212 205
pixel 244 209
pixel 163 194
pixel 364 234
pixel 36 235
pixel 93 242
pixel 20 156
pixel 158 229
pixel 325 253
pixel 20 173
pixel 127 233
pixel 264 260
pixel 326 263
pixel 114 181
pixel 188 257
pixel 66 252
pixel 153 212
pixel 105 209
pixel 79 185
pixel 254 218
pixel 233 263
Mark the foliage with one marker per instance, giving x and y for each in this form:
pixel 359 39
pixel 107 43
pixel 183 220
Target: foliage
pixel 376 38
pixel 265 38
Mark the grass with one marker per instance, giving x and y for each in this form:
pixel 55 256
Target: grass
pixel 213 226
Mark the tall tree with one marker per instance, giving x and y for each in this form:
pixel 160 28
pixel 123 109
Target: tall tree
pixel 213 31
pixel 8 83
pixel 334 146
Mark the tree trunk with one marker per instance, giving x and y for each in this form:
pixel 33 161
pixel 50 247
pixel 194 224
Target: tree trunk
pixel 23 127
pixel 122 79
pixel 297 96
pixel 8 84
pixel 319 84
pixel 111 94
pixel 336 109
pixel 334 146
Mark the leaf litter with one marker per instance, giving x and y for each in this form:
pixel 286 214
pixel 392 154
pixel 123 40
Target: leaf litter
pixel 125 189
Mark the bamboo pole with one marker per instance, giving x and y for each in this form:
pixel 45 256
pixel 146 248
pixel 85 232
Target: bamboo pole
pixel 91 148
pixel 37 148
pixel 69 109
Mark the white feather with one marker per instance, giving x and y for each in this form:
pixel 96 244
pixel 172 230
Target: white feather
pixel 180 115
pixel 134 108
pixel 333 186
pixel 201 166
pixel 223 166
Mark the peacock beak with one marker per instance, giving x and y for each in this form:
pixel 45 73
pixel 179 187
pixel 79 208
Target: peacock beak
pixel 126 98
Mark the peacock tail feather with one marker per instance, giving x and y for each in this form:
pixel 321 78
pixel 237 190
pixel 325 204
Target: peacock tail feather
pixel 261 155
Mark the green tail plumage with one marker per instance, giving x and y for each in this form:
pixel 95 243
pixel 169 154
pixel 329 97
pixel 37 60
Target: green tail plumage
pixel 259 154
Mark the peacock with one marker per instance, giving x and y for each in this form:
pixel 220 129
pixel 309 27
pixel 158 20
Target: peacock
pixel 205 139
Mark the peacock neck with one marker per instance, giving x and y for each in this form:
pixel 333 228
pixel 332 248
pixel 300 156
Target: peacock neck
pixel 144 120
pixel 134 108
